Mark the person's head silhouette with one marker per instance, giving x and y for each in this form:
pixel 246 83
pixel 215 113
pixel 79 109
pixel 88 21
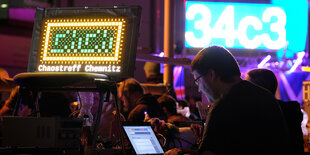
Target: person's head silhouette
pixel 215 71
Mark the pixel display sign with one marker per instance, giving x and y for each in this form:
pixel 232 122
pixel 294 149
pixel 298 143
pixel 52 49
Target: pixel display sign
pixel 95 40
pixel 89 45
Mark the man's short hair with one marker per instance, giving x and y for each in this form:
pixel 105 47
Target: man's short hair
pixel 131 86
pixel 219 59
pixel 264 78
pixel 169 103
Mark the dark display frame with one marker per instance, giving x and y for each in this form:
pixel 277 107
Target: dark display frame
pixel 132 15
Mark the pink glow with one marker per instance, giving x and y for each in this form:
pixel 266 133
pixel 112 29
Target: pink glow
pixel 22 14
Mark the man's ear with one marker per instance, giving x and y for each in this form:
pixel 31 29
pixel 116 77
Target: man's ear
pixel 212 74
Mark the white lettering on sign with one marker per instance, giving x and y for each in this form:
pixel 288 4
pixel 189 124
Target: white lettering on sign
pixel 59 68
pixel 77 68
pixel 109 68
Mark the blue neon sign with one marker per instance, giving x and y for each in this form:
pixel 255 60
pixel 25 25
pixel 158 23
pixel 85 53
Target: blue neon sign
pixel 247 25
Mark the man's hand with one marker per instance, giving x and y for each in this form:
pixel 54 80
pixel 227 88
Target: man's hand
pixel 174 151
pixel 197 130
pixel 181 151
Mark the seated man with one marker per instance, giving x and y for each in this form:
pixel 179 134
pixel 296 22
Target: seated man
pixel 135 106
pixel 291 109
pixel 244 118
pixel 136 103
pixel 169 106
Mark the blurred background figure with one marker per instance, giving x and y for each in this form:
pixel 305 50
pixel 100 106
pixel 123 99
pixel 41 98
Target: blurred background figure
pixel 291 109
pixel 135 102
pixel 152 72
pixel 195 115
pixel 4 94
pixel 4 74
pixel 74 108
pixel 25 108
pixel 8 96
pixel 304 128
pixel 183 108
pixel 169 106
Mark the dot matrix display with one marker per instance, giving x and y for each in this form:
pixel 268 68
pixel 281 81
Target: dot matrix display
pixel 83 41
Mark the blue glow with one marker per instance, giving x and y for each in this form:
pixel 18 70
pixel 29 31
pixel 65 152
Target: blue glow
pixel 243 25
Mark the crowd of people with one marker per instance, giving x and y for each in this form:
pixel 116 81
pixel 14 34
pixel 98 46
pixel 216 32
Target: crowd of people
pixel 244 118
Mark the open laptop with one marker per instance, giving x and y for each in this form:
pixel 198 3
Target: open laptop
pixel 143 139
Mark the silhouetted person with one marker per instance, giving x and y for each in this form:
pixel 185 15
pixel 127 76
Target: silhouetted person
pixel 244 118
pixel 169 106
pixel 193 108
pixel 135 102
pixel 183 104
pixel 290 109
pixel 152 72
pixel 9 104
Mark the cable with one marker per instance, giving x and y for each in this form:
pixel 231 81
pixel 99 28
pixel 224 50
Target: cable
pixel 162 136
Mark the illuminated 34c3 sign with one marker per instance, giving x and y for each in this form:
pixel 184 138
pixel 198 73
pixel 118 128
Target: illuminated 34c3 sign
pixel 247 25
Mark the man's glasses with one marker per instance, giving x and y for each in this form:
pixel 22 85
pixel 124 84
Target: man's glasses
pixel 196 80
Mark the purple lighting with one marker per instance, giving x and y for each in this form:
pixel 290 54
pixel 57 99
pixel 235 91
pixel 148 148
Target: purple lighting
pixel 161 54
pixel 22 14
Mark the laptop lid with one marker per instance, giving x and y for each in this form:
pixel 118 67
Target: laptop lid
pixel 143 139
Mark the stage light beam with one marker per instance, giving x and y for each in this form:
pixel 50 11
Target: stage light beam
pixel 298 61
pixel 264 61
